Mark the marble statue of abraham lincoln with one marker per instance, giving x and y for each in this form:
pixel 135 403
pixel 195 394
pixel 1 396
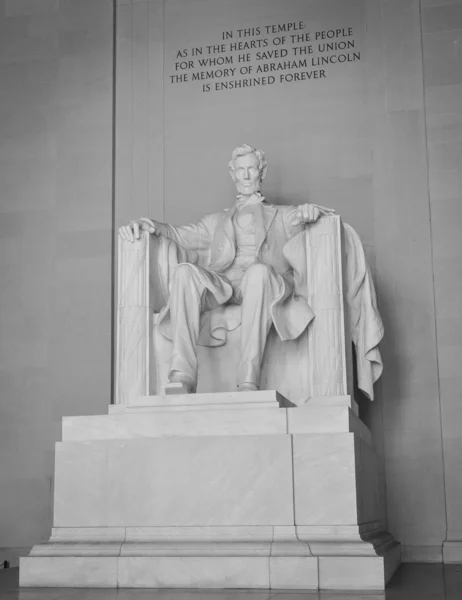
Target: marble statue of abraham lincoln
pixel 243 262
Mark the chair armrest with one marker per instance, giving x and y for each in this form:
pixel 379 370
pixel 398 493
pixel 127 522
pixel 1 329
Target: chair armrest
pixel 134 318
pixel 329 336
pixel 145 268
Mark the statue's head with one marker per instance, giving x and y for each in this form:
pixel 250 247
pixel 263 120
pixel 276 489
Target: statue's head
pixel 247 168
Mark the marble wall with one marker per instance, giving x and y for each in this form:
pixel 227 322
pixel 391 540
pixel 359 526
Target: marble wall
pixel 376 142
pixel 442 34
pixel 56 73
pixel 380 141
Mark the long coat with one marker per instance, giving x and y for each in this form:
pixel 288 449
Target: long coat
pixel 210 243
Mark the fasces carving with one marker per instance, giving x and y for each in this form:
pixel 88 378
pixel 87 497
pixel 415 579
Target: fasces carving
pixel 134 319
pixel 326 336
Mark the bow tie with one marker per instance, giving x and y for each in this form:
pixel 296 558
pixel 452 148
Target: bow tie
pixel 242 201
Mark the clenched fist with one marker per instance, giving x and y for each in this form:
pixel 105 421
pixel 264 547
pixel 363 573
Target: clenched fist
pixel 131 232
pixel 308 213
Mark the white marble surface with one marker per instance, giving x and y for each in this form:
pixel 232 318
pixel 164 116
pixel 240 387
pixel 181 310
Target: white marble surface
pixel 195 481
pixel 351 572
pixel 345 540
pixel 326 419
pixel 324 479
pixel 258 533
pixel 176 423
pixel 79 549
pixel 194 572
pixel 75 571
pixel 334 532
pixel 134 320
pixel 258 572
pixel 297 573
pixel 332 401
pixel 216 511
pixel 150 421
pixel 206 508
pixel 199 549
pixel 209 565
pixel 211 400
pixel 88 534
pixel 82 486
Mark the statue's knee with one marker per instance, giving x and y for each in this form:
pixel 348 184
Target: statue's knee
pixel 183 273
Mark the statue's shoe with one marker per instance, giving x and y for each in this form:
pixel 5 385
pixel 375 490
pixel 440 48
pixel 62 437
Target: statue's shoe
pixel 180 384
pixel 247 386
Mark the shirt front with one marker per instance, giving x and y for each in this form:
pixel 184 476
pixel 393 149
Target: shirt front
pixel 244 224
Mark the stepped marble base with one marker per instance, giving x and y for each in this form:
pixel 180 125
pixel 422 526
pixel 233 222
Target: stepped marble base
pixel 252 572
pixel 236 490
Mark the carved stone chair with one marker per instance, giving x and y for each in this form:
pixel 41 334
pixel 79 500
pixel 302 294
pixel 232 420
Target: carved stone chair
pixel 316 365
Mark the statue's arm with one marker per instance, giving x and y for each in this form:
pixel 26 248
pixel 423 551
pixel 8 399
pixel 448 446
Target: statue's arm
pixel 196 236
pixel 190 237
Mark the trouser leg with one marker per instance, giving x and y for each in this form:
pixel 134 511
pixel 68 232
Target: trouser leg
pixel 190 295
pixel 185 308
pixel 257 293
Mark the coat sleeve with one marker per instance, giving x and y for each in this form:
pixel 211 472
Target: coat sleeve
pixel 192 237
pixel 365 321
pixel 290 230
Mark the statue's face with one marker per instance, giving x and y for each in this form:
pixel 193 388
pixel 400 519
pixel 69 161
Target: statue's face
pixel 247 174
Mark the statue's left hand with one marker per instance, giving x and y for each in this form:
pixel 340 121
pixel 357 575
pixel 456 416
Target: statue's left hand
pixel 131 232
pixel 309 213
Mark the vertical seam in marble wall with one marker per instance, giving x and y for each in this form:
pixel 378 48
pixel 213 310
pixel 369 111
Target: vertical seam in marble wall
pixel 433 273
pixel 378 385
pixel 149 99
pixel 164 208
pixel 113 200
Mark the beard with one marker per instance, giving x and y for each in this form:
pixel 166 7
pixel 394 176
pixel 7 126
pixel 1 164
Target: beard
pixel 248 190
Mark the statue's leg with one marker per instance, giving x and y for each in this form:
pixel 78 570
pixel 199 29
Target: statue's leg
pixel 259 287
pixel 189 295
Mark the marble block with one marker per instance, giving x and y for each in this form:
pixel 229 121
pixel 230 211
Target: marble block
pixel 325 401
pixel 88 534
pixel 194 572
pixel 326 419
pixel 163 494
pixel 194 481
pixel 72 571
pixel 260 398
pixel 298 573
pixel 188 423
pixel 224 414
pixel 358 572
pixel 339 468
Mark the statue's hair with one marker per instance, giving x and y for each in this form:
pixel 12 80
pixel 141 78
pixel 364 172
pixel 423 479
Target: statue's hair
pixel 243 151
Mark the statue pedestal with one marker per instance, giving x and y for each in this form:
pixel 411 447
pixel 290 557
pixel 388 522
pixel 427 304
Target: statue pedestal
pixel 234 490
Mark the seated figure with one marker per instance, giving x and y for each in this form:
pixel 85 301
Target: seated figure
pixel 247 255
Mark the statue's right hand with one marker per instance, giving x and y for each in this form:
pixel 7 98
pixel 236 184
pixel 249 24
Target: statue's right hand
pixel 131 232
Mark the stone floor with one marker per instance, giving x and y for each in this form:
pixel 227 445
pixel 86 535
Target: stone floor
pixel 411 582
